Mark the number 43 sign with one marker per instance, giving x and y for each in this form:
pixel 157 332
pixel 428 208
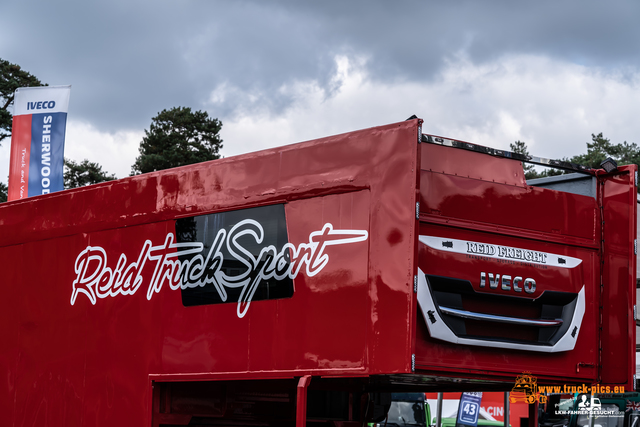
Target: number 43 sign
pixel 469 409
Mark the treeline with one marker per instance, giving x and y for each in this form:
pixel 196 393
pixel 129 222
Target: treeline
pixel 180 136
pixel 176 137
pixel 598 150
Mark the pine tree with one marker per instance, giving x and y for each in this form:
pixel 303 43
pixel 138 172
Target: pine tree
pixel 178 137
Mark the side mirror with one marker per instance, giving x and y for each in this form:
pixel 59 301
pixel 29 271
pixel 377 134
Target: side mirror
pixel 378 407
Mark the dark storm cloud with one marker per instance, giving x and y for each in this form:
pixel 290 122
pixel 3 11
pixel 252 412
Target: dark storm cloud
pixel 127 60
pixel 117 56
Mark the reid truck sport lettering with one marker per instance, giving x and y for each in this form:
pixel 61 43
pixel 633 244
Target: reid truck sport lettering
pixel 95 279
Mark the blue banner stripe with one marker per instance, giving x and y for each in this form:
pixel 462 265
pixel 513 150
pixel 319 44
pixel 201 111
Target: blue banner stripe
pixel 47 153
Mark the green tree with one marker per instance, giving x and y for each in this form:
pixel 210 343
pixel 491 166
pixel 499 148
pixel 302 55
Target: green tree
pixel 178 137
pixel 84 173
pixel 11 78
pixel 4 192
pixel 520 147
pixel 600 148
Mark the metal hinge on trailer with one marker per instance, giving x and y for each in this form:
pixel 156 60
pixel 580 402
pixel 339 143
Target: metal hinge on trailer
pixel 417 210
pixel 635 381
pixel 635 246
pixel 413 363
pixel 558 164
pixel 635 312
pixel 415 284
pixel 636 181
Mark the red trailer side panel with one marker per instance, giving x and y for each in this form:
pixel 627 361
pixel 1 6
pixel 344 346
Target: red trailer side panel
pixel 510 274
pixel 618 192
pixel 92 305
pixel 316 260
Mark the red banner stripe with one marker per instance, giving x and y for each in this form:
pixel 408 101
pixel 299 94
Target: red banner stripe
pixel 20 153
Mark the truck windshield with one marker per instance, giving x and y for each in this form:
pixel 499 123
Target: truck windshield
pixel 406 414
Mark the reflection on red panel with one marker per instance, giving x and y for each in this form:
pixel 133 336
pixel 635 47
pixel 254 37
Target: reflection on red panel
pixel 363 263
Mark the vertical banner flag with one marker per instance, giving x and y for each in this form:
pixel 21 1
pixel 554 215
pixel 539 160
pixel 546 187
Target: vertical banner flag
pixel 469 409
pixel 37 141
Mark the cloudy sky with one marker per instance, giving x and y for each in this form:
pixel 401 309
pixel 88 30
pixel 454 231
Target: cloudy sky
pixel 549 73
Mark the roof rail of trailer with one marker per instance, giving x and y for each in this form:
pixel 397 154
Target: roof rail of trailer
pixel 541 161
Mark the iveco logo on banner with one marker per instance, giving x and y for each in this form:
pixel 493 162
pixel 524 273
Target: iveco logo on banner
pixel 37 141
pixel 41 105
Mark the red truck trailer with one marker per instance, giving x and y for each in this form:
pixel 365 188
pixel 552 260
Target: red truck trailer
pixel 303 284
